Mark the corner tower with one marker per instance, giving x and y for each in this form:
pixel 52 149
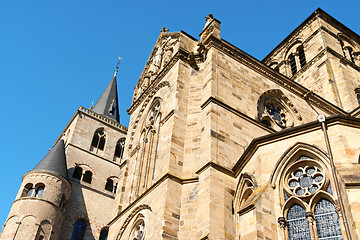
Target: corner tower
pixel 37 212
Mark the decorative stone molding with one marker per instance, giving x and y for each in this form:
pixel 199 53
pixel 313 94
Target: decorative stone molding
pixel 275 109
pixel 130 217
pixel 145 104
pixel 279 79
pixel 282 222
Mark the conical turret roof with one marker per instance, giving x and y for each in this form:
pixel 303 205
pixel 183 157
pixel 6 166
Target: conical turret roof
pixel 55 160
pixel 108 104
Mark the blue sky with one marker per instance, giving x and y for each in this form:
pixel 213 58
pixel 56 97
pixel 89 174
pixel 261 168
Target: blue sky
pixel 56 56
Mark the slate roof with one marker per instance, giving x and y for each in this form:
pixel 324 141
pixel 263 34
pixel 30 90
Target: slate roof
pixel 108 104
pixel 55 160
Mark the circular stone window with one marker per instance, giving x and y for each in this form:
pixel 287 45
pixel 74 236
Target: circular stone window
pixel 305 180
pixel 138 231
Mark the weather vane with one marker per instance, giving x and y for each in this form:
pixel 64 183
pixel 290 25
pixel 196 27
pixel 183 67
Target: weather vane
pixel 117 66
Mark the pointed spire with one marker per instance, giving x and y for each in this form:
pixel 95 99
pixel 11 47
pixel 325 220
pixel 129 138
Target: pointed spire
pixel 55 160
pixel 108 104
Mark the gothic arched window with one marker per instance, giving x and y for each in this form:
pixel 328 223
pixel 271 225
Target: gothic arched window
pixel 79 230
pixel 149 141
pixel 297 223
pixel 327 221
pixel 308 202
pixel 119 149
pixel 138 231
pixel 98 142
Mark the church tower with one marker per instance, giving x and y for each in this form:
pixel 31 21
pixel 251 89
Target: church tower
pixel 38 210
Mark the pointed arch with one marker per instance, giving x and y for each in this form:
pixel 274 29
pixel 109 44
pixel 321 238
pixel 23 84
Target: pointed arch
pixel 132 217
pixel 148 149
pixel 245 187
pixel 292 201
pixel 292 154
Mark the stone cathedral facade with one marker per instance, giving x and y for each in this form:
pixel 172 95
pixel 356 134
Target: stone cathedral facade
pixel 219 145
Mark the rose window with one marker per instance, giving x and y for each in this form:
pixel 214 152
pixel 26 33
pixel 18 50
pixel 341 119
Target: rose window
pixel 276 113
pixel 304 181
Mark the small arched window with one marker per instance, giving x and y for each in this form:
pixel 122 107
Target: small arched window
pixel 87 177
pixel 77 173
pixel 26 190
pixel 292 62
pixel 109 185
pixel 302 58
pixel 79 230
pixel 104 234
pixel 119 149
pixel 39 191
pixel 98 142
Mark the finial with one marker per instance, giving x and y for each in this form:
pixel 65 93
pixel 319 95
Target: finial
pixel 164 30
pixel 209 17
pixel 117 67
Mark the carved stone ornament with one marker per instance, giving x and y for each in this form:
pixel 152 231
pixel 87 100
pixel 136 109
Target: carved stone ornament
pixel 304 178
pixel 159 58
pixel 276 111
pixel 130 217
pixel 276 115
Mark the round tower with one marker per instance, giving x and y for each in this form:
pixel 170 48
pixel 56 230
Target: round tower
pixel 37 211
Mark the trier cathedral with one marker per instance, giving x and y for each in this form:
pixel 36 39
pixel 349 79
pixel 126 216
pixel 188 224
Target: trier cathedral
pixel 219 145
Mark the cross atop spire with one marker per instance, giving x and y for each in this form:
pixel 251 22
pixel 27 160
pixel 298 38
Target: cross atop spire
pixel 164 30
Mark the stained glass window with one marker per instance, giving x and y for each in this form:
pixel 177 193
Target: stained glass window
pixel 297 224
pixel 304 181
pixel 327 221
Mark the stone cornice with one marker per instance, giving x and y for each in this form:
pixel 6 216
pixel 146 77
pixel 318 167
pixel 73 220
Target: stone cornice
pixel 150 189
pixel 93 154
pixel 216 166
pixel 94 190
pixel 287 133
pixel 104 119
pixel 272 75
pixel 236 112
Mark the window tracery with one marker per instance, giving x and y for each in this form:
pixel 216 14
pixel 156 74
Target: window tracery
pixel 138 232
pixel 308 203
pixel 296 57
pixel 275 114
pixel 119 149
pixel 149 141
pixel 98 141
